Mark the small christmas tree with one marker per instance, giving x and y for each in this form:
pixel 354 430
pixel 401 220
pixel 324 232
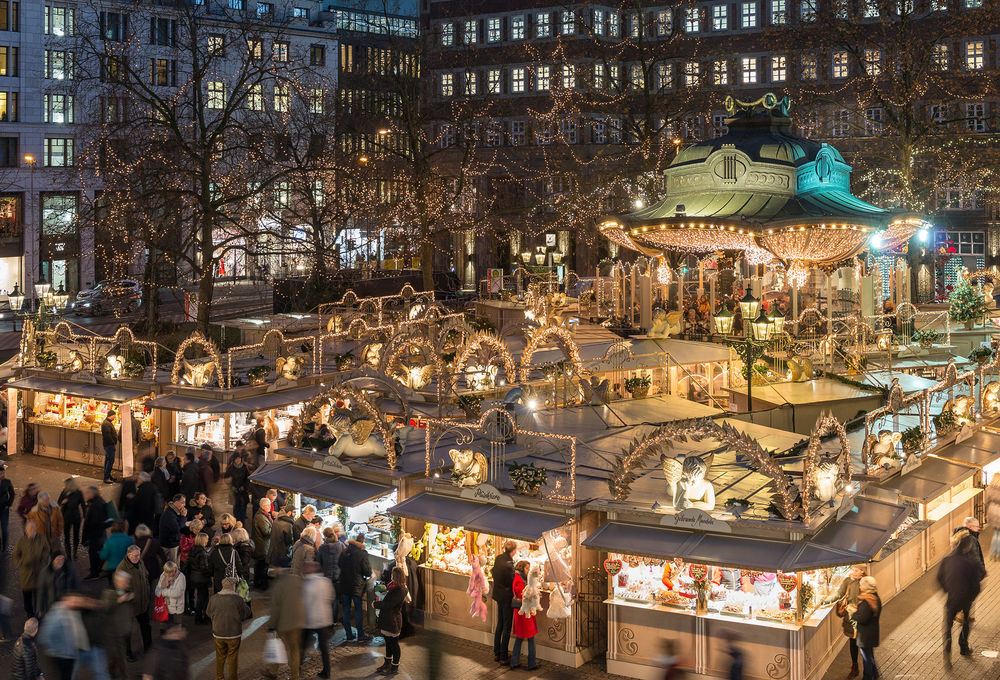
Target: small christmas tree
pixel 966 303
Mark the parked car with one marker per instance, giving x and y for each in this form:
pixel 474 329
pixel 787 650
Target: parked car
pixel 118 296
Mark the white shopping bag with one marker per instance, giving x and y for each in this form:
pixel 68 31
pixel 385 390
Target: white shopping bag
pixel 274 651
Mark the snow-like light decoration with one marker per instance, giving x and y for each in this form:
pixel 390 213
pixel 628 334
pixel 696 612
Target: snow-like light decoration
pixel 663 274
pixel 797 274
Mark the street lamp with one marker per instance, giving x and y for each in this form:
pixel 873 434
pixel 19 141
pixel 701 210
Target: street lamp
pixel 42 288
pixel 761 327
pixel 61 298
pixel 778 320
pixel 724 321
pixel 749 306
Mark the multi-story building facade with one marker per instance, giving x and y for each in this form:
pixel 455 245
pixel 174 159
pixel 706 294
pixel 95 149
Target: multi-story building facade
pixel 622 85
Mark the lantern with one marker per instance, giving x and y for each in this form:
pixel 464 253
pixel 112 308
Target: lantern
pixel 16 299
pixel 749 306
pixel 778 320
pixel 762 327
pixel 724 321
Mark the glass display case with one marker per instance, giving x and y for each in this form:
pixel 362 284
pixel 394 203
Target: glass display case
pixel 86 415
pixel 205 428
pixel 371 518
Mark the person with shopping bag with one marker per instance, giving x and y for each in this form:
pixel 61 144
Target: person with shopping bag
pixel 227 611
pixel 286 622
pixel 168 608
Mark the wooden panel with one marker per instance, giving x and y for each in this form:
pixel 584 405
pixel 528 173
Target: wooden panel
pixel 884 573
pixel 911 561
pixel 766 649
pixel 447 601
pixel 638 635
pixel 938 540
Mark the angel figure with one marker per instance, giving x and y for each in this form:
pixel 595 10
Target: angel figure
pixel 200 374
pixel 595 390
pixel 75 362
pixel 692 488
pixel 289 367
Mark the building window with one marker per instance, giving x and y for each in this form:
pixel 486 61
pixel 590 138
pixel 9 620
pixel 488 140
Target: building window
pixel 264 9
pixel 748 15
pixel 447 136
pixel 692 20
pixel 807 11
pixel 317 100
pixel 58 64
pixel 216 94
pixel 543 134
pixel 8 62
pixel 216 45
pixel 598 133
pixel 614 77
pixel 255 97
pixel 543 25
pixel 569 77
pixel 840 9
pixel 940 57
pixel 255 49
pixel 568 23
pixel 637 78
pixel 748 70
pixel 599 77
pixel 543 78
pixel 779 13
pixel 59 214
pixel 692 74
pixel 569 132
pixel 720 17
pixel 59 21
pixel 615 130
pixel 9 158
pixel 869 9
pixel 720 72
pixel 873 62
pixel 162 31
pixel 779 69
pixel 810 67
pixel 873 121
pixel 973 4
pixel 297 12
pixel 974 51
pixel 471 83
pixel 975 116
pixel 282 98
pixel 664 23
pixel 114 26
pixel 471 34
pixel 493 30
pixel 614 25
pixel 517 78
pixel 840 123
pixel 447 35
pixel 317 55
pixel 163 72
pixel 8 107
pixel 665 76
pixel 939 5
pixel 517 132
pixel 57 108
pixel 447 88
pixel 493 79
pixel 635 24
pixel 719 126
pixel 840 64
pixel 517 27
pixel 58 153
pixel 939 113
pixel 280 51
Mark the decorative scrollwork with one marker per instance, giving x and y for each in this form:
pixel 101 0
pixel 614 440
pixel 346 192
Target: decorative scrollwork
pixel 557 631
pixel 498 425
pixel 779 668
pixel 625 642
pixel 440 605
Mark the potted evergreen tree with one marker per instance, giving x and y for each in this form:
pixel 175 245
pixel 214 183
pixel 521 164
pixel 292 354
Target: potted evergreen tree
pixel 966 305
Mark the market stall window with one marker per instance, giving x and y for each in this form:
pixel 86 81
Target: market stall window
pixel 81 413
pixel 370 518
pixel 206 428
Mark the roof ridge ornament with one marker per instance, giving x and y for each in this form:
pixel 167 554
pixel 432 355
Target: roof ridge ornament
pixel 769 102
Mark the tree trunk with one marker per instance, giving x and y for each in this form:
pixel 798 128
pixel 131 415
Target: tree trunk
pixel 427 262
pixel 206 276
pixel 151 294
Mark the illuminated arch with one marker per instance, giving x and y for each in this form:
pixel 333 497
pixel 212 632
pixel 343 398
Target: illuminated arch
pixel 825 425
pixel 199 340
pixel 357 399
pixel 493 342
pixel 563 340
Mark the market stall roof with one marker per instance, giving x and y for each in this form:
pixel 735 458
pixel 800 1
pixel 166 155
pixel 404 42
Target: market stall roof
pixel 528 525
pixel 966 454
pixel 257 402
pixel 809 392
pixel 908 382
pixel 110 393
pixel 856 538
pixel 987 441
pixel 345 491
pixel 930 480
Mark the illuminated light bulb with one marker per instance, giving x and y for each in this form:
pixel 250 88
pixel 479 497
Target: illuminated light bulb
pixel 532 404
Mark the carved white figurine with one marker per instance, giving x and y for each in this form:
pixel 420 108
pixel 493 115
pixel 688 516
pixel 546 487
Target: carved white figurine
pixel 470 467
pixel 961 407
pixel 199 374
pixel 991 396
pixel 531 597
pixel 665 324
pixel 988 294
pixel 800 369
pixel 355 439
pixel 403 548
pixel 116 364
pixel 693 488
pixel 290 368
pixel 882 448
pixel 826 481
pixel 595 390
pixel 75 362
pixel 482 377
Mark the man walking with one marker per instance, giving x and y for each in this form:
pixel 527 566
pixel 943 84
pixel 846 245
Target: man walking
pixel 261 541
pixel 94 519
pixel 133 565
pixel 117 603
pixel 959 576
pixel 317 600
pixel 228 611
pixel 6 501
pixel 503 593
pixel 171 523
pixel 287 620
pixel 109 440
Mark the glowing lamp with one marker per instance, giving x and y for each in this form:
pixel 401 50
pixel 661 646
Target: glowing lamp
pixel 61 298
pixel 16 299
pixel 749 306
pixel 540 258
pixel 762 327
pixel 526 257
pixel 924 235
pixel 778 320
pixel 42 288
pixel 724 321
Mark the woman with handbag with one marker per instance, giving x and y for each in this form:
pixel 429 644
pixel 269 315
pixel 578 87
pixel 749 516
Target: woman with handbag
pixel 865 614
pixel 390 620
pixel 169 593
pixel 847 596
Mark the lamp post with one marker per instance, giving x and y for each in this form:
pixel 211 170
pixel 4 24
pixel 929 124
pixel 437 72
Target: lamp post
pixel 758 333
pixel 16 301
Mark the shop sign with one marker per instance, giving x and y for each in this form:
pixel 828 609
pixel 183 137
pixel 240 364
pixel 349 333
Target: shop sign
pixel 913 461
pixel 333 464
pixel 696 519
pixel 487 493
pixel 550 240
pixel 964 433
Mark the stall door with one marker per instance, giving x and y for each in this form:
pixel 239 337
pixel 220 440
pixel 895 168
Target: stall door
pixel 592 613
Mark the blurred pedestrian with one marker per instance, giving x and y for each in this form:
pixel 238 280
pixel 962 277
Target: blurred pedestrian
pixel 736 656
pixel 281 541
pixel 57 580
pixel 503 594
pixel 355 571
pixel 261 542
pixel 190 480
pixel 200 576
pixel 390 621
pixel 169 660
pixel 61 636
pixel 866 615
pixel 228 611
pixel 142 602
pixel 287 621
pixel 328 556
pixel 120 614
pixel 95 657
pixel 525 627
pixel 28 501
pixel 172 520
pixel 174 466
pixel 6 501
pixel 847 595
pixel 172 587
pixel 992 514
pixel 31 554
pixel 161 477
pixel 145 506
pixel 239 477
pixel 317 601
pixel 115 546
pixel 48 519
pixel 94 529
pixel 224 562
pixel 671 661
pixel 109 440
pixel 959 575
pixel 206 476
pixel 24 665
pixel 71 506
pixel 153 555
pixel 244 549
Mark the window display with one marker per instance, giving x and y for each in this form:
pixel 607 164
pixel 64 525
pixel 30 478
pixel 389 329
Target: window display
pixel 371 518
pixel 202 428
pixel 80 413
pixel 741 593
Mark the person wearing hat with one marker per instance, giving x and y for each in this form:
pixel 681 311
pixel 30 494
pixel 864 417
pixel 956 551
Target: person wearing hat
pixel 109 440
pixel 6 501
pixel 228 611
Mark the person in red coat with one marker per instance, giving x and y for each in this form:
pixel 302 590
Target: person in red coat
pixel 524 626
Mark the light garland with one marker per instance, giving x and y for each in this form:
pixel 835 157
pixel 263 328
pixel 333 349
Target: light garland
pixel 492 341
pixel 283 346
pixel 354 397
pixel 564 340
pixel 199 340
pixel 825 425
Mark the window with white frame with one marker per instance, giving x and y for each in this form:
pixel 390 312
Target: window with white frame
pixel 597 21
pixel 600 81
pixel 637 79
pixel 873 62
pixel 939 113
pixel 59 21
pixel 869 9
pixel 569 77
pixel 665 75
pixel 517 78
pixel 543 25
pixel 939 5
pixel 779 12
pixel 720 17
pixel 692 20
pixel 940 57
pixel 494 78
pixel 635 24
pixel 568 22
pixel 840 64
pixel 282 98
pixel 779 68
pixel 873 121
pixel 975 116
pixel 517 27
pixel 471 83
pixel 517 132
pixel 543 78
pixel 807 11
pixel 720 72
pixel 748 70
pixel 447 85
pixel 317 100
pixel 840 123
pixel 614 25
pixel 974 54
pixel 543 134
pixel 748 15
pixel 960 198
pixel 471 34
pixel 719 126
pixel 664 22
pixel 255 97
pixel 692 74
pixel 494 29
pixel 568 131
pixel 494 133
pixel 810 67
pixel 598 133
pixel 216 94
pixel 446 135
pixel 58 152
pixel 447 35
pixel 615 77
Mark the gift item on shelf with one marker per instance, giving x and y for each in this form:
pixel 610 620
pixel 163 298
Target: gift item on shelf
pixel 81 413
pixel 370 518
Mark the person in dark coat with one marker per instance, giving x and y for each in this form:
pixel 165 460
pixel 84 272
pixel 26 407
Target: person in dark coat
pixel 959 575
pixel 199 575
pixel 119 615
pixel 126 494
pixel 57 579
pixel 169 660
pixel 866 614
pixel 94 525
pixel 153 555
pixel 206 476
pixel 390 620
pixel 280 546
pixel 142 596
pixel 239 477
pixel 224 561
pixel 208 453
pixel 971 524
pixel 328 556
pixel 144 507
pixel 109 440
pixel 174 467
pixel 244 548
pixel 28 501
pixel 261 543
pixel 355 571
pixel 6 502
pixel 200 508
pixel 503 593
pixel 190 481
pixel 302 521
pixel 24 665
pixel 161 478
pixel 172 521
pixel 847 594
pixel 71 505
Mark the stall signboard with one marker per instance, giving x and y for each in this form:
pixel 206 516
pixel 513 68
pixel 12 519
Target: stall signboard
pixel 613 566
pixel 550 240
pixel 965 433
pixel 913 461
pixel 334 465
pixel 695 519
pixel 487 493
